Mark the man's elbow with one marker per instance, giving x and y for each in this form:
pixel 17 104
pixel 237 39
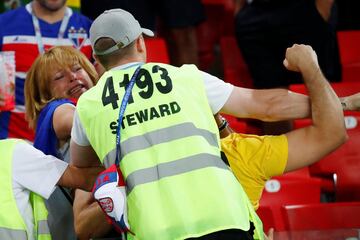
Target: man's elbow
pixel 342 132
pixel 339 136
pixel 343 137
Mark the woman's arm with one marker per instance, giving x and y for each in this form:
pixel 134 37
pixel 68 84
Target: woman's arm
pixel 63 121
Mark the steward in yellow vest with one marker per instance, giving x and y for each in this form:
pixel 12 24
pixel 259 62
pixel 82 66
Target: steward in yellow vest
pixel 28 176
pixel 166 134
pixel 178 186
pixel 12 224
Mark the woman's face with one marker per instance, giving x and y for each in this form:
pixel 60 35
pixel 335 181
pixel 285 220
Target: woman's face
pixel 70 82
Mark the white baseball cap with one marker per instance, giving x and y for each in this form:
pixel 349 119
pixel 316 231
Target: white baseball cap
pixel 120 26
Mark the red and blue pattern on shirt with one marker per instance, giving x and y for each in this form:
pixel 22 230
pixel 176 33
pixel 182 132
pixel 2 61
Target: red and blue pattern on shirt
pixel 17 34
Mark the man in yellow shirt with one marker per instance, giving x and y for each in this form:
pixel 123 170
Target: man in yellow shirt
pixel 255 159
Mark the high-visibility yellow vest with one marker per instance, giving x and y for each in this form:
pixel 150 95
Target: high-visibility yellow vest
pixel 178 187
pixel 12 225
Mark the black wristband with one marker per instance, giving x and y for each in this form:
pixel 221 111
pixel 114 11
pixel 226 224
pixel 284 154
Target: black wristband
pixel 344 106
pixel 223 124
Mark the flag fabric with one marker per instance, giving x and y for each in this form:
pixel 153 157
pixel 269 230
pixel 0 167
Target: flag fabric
pixel 110 193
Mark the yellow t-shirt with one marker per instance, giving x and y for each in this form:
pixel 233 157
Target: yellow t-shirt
pixel 254 160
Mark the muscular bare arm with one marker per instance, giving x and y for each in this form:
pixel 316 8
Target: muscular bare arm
pixel 327 132
pixel 267 105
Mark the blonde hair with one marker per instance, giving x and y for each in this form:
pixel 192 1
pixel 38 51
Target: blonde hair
pixel 37 83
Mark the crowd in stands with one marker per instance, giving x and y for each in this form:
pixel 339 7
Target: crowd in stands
pixel 110 139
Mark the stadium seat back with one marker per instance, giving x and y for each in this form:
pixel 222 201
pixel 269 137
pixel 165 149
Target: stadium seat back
pixel 267 217
pixel 157 50
pixel 349 49
pixel 281 191
pixel 348 183
pixel 349 46
pixel 322 216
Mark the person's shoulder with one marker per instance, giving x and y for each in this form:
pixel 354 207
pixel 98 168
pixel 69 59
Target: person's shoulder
pixel 15 21
pixel 61 101
pixel 14 13
pixel 81 18
pixel 56 103
pixel 24 148
pixel 190 66
pixel 183 67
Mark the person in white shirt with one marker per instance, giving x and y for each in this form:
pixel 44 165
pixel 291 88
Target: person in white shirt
pixel 33 171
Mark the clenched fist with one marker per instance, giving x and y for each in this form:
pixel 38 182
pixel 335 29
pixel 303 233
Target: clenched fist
pixel 301 58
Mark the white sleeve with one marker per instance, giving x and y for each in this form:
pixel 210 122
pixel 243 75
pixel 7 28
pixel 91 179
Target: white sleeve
pixel 78 134
pixel 36 171
pixel 217 91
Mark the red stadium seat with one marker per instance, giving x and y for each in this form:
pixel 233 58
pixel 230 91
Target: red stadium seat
pixel 281 191
pixel 219 21
pixel 339 170
pixel 351 72
pixel 349 46
pixel 321 216
pixel 156 50
pixel 267 217
pixel 349 54
pixel 235 69
pixel 347 181
pixel 300 173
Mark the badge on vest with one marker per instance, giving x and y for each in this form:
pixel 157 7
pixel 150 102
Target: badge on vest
pixel 77 37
